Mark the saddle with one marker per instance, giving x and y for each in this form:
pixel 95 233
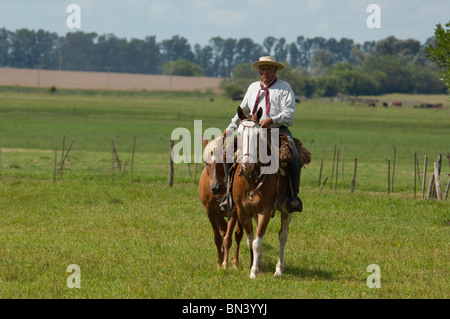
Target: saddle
pixel 286 156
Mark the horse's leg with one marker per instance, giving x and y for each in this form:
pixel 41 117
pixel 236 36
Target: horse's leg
pixel 246 222
pixel 283 236
pixel 258 262
pixel 223 226
pixel 218 239
pixel 227 240
pixel 250 238
pixel 239 233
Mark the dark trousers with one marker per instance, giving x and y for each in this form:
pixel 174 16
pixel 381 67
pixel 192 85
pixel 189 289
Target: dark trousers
pixel 294 170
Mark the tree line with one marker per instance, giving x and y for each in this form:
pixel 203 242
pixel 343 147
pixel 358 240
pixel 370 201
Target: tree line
pixel 314 66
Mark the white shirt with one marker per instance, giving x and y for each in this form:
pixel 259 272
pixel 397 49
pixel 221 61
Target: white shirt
pixel 282 104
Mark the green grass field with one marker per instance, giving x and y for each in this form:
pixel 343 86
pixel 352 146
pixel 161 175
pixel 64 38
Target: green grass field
pixel 143 239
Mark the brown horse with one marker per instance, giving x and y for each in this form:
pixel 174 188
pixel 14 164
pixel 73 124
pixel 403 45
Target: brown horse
pixel 258 195
pixel 211 190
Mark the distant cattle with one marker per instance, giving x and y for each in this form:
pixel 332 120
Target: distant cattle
pixel 429 106
pixel 395 103
pixel 371 104
pixel 385 104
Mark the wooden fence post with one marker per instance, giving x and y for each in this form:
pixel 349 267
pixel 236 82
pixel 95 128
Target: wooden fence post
pixel 332 170
pixel 62 156
pixel 424 175
pixel 337 171
pixel 430 187
pixel 324 182
pixel 170 163
pixel 415 174
pixel 112 160
pixel 437 181
pixel 389 175
pixel 393 168
pixel 354 175
pixel 320 172
pixel 65 157
pixel 446 190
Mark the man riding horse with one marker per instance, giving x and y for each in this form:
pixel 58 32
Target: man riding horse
pixel 277 100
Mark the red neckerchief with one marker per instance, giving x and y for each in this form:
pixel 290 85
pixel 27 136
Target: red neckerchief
pixel 267 96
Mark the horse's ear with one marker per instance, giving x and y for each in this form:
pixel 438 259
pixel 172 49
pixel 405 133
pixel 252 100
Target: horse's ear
pixel 204 141
pixel 240 113
pixel 259 113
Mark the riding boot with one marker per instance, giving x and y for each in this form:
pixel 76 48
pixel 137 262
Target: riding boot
pixel 294 203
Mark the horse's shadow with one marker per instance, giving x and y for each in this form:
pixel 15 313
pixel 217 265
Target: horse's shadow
pixel 298 271
pixel 304 272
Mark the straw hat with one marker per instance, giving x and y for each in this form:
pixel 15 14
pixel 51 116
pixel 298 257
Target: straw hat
pixel 267 60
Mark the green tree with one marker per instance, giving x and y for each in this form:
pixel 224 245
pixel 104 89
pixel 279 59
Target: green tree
pixel 204 57
pixel 320 62
pixel 5 47
pixel 390 72
pixel 243 71
pixel 182 67
pixel 440 54
pixel 353 80
pixel 78 51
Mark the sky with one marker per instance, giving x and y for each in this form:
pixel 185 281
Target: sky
pixel 200 20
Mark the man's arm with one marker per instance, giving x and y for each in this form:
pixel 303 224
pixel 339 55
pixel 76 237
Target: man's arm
pixel 286 116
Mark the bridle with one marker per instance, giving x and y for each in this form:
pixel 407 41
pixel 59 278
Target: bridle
pixel 248 138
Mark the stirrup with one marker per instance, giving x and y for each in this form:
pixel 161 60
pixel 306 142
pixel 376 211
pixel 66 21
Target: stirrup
pixel 297 205
pixel 224 203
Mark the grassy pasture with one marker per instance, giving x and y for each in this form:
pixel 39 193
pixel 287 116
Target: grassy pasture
pixel 147 240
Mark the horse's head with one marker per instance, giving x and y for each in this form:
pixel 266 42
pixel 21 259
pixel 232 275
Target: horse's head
pixel 248 136
pixel 214 164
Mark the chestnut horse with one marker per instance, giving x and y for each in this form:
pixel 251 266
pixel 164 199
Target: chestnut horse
pixel 211 190
pixel 258 195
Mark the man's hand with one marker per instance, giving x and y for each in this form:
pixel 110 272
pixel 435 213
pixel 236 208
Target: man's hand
pixel 267 123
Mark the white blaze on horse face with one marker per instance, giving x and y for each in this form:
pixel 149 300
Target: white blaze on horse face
pixel 212 156
pixel 248 132
pixel 213 151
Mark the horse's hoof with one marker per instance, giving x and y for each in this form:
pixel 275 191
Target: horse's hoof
pixel 278 273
